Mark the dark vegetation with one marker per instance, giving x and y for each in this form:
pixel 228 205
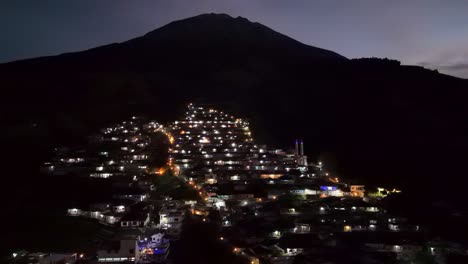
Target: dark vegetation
pixel 159 145
pixel 35 214
pixel 168 185
pixel 200 243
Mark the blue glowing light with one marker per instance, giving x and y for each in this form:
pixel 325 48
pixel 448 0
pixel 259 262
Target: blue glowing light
pixel 328 188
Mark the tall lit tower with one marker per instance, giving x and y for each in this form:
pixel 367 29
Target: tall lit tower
pixel 301 158
pixel 297 148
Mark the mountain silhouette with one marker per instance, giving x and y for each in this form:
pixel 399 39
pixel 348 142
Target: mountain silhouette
pixel 368 119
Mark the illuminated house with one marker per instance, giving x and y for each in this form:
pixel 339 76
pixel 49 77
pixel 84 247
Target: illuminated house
pixel 122 251
pixel 357 190
pixel 134 194
pixel 295 244
pixel 171 217
pixel 75 212
pixel 330 190
pixel 217 202
pixel 210 178
pixel 135 219
pixel 110 218
pixel 105 212
pixel 121 207
pixel 154 249
pixel 301 228
pixel 398 224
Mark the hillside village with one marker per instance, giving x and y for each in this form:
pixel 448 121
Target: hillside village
pixel 263 204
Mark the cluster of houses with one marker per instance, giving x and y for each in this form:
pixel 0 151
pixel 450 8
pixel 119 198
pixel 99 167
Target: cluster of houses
pixel 121 155
pixel 134 229
pixel 144 246
pixel 274 206
pixel 119 150
pixel 215 148
pixel 277 231
pixel 144 237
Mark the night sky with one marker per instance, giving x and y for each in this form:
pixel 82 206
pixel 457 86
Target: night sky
pixel 432 33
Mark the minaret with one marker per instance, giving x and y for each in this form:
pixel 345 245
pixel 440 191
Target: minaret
pixel 302 147
pixel 297 148
pixel 302 159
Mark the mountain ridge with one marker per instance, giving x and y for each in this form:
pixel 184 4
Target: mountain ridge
pixel 207 24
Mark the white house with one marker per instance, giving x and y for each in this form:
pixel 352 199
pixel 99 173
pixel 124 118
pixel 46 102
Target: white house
pixel 110 218
pixel 135 220
pixel 122 251
pixel 302 228
pixel 171 217
pixel 74 212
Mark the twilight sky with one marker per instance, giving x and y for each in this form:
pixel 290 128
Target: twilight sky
pixel 433 33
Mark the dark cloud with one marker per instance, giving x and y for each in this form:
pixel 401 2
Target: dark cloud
pixel 456 67
pixel 459 69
